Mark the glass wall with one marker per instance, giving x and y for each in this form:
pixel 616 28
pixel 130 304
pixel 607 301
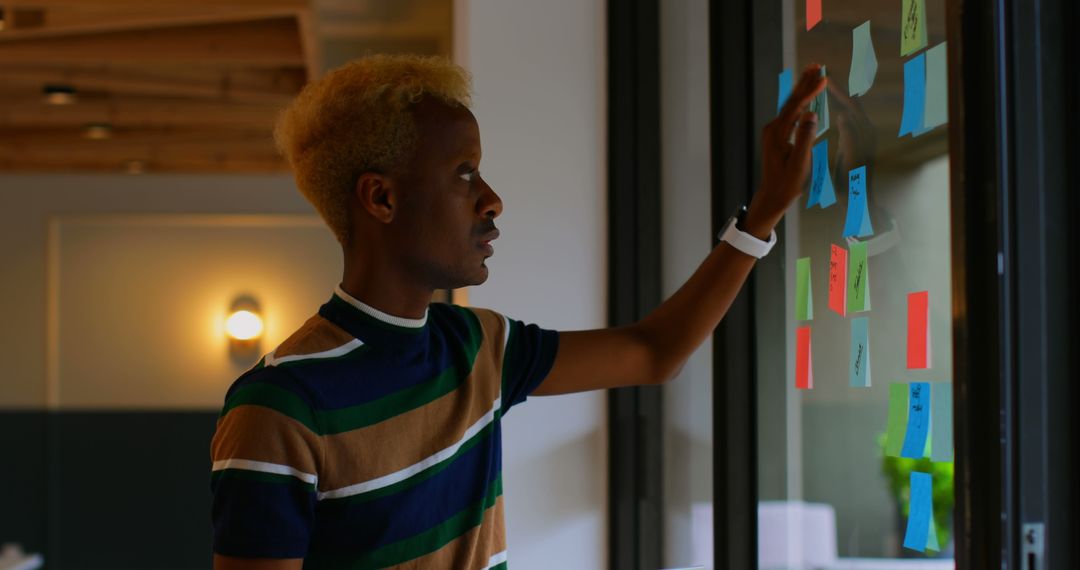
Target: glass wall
pixel 854 342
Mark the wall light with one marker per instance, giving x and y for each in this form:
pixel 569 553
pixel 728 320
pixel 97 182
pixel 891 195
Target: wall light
pixel 98 131
pixel 59 94
pixel 244 327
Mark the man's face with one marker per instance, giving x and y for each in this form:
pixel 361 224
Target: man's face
pixel 444 221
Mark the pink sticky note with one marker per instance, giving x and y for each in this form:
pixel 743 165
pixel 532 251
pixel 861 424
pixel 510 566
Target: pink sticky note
pixel 813 13
pixel 838 280
pixel 918 330
pixel 804 359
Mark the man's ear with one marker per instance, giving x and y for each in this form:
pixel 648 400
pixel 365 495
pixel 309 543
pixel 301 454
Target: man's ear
pixel 376 195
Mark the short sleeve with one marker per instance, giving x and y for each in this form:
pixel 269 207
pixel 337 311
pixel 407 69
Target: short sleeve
pixel 264 472
pixel 527 359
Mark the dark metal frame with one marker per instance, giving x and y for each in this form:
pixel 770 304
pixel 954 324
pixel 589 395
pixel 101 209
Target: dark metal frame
pixel 634 414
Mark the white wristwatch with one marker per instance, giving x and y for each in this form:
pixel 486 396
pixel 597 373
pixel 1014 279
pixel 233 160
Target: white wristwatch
pixel 743 241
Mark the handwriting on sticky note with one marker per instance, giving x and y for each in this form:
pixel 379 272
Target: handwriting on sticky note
pixel 936 110
pixel 784 87
pixel 911 121
pixel 813 13
pixel 857 222
pixel 918 330
pixel 859 367
pixel 822 193
pixel 920 512
pixel 897 419
pixel 912 26
pixel 838 272
pixel 804 360
pixel 820 106
pixel 804 304
pixel 858 293
pixel 918 421
pixel 864 62
pixel 941 425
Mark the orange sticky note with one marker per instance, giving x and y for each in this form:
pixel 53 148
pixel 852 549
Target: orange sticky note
pixel 813 13
pixel 918 330
pixel 804 360
pixel 838 280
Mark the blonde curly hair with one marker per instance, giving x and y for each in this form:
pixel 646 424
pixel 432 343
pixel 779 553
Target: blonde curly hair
pixel 356 119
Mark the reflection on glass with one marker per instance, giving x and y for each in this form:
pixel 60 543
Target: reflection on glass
pixel 832 493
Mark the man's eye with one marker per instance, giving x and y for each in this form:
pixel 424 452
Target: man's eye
pixel 469 176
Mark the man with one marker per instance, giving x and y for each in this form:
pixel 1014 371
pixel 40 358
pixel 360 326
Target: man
pixel 371 437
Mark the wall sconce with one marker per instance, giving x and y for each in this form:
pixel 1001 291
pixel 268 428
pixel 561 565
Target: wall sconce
pixel 244 327
pixel 59 94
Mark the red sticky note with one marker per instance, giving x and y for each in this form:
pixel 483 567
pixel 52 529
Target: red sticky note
pixel 838 280
pixel 918 330
pixel 813 13
pixel 804 360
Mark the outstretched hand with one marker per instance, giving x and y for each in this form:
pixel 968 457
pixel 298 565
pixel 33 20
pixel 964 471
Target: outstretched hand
pixel 785 165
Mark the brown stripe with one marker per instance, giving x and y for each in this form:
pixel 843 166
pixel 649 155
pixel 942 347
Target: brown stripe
pixel 316 335
pixel 470 551
pixel 261 434
pixel 391 445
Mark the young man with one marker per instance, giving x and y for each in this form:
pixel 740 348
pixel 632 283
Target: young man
pixel 370 438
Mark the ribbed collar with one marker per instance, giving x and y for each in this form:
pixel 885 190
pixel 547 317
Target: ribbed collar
pixel 371 325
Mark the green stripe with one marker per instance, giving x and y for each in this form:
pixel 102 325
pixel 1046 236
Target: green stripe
pixel 259 476
pixel 416 546
pixel 414 480
pixel 500 566
pixel 275 398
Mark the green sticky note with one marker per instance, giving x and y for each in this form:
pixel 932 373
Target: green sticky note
pixel 858 294
pixel 936 109
pixel 896 428
pixel 804 305
pixel 912 26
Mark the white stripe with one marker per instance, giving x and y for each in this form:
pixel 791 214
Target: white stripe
pixel 387 480
pixel 343 349
pixel 506 333
pixel 495 560
pixel 263 467
pixel 377 314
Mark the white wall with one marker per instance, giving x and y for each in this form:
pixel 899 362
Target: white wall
pixel 540 98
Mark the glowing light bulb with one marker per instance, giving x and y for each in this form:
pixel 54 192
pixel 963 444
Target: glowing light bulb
pixel 244 325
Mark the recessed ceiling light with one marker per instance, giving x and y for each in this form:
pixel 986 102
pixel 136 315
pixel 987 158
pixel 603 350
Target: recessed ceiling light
pixel 59 94
pixel 98 131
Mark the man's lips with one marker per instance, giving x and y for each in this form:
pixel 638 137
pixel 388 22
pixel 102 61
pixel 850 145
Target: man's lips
pixel 489 237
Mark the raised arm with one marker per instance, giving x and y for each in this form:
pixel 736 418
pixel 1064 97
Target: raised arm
pixel 654 349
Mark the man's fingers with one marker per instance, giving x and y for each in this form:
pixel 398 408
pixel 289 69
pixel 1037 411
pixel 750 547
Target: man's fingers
pixel 809 86
pixel 804 139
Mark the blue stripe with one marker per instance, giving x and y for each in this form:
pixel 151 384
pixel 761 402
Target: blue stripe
pixel 357 527
pixel 254 519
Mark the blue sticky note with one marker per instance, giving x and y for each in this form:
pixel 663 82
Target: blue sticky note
pixel 859 366
pixel 941 434
pixel 936 111
pixel 918 420
pixel 914 95
pixel 857 222
pixel 819 105
pixel 785 89
pixel 821 187
pixel 920 512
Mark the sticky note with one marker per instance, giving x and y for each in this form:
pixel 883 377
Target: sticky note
pixel 821 187
pixel 897 419
pixel 911 121
pixel 857 223
pixel 804 361
pixel 858 290
pixel 918 421
pixel 936 111
pixel 820 105
pixel 920 513
pixel 863 61
pixel 918 330
pixel 838 272
pixel 859 368
pixel 912 26
pixel 804 305
pixel 941 435
pixel 813 13
pixel 784 91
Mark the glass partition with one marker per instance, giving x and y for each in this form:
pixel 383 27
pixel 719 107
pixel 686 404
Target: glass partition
pixel 854 345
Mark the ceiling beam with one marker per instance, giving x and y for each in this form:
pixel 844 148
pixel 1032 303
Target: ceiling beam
pixel 272 42
pixel 62 23
pixel 137 113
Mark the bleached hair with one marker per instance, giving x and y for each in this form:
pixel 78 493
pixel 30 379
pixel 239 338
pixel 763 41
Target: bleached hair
pixel 358 118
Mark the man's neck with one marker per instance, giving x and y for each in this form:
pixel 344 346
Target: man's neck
pixel 387 294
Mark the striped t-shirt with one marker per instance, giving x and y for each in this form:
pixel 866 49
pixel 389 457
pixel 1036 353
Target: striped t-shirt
pixel 370 441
